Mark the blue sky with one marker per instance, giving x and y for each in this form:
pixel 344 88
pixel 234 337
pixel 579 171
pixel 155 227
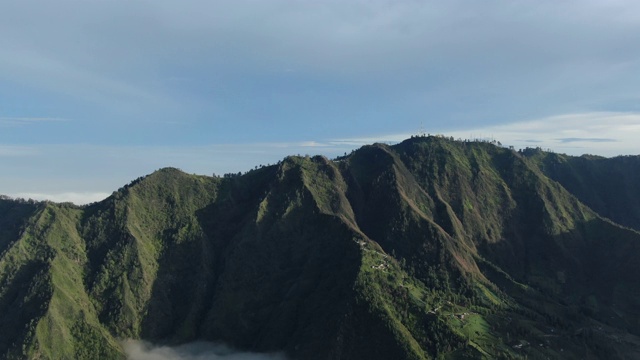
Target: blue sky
pixel 94 93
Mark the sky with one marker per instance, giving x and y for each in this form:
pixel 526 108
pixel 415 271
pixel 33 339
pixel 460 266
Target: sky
pixel 95 93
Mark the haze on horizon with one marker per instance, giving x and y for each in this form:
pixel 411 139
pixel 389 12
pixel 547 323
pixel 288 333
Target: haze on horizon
pixel 96 93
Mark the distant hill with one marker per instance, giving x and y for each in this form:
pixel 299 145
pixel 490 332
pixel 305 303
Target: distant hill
pixel 430 248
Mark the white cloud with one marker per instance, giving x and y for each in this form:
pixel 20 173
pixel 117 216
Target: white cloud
pixel 599 133
pixel 73 197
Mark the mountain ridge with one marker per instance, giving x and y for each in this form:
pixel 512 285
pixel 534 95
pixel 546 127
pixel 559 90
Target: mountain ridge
pixel 429 248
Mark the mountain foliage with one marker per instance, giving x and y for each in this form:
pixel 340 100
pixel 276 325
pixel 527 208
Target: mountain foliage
pixel 430 248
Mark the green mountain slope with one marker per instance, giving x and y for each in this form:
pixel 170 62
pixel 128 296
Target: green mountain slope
pixel 427 249
pixel 607 185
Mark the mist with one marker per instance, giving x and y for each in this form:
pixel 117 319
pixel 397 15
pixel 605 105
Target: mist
pixel 142 350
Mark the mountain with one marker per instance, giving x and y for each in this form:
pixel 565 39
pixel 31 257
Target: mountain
pixel 607 185
pixel 431 248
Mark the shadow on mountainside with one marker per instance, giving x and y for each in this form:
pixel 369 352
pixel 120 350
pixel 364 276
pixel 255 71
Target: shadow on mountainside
pixel 582 282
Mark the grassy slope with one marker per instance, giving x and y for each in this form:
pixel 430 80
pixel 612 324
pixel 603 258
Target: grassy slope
pixel 155 225
pixel 92 270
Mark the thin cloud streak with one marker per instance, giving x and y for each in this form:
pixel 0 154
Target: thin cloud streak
pixel 19 151
pixel 33 119
pixel 62 76
pixel 596 140
pixel 65 166
pixel 23 121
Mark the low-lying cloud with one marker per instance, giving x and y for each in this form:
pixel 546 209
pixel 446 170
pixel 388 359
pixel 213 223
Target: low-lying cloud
pixel 598 133
pixel 142 350
pixel 72 197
